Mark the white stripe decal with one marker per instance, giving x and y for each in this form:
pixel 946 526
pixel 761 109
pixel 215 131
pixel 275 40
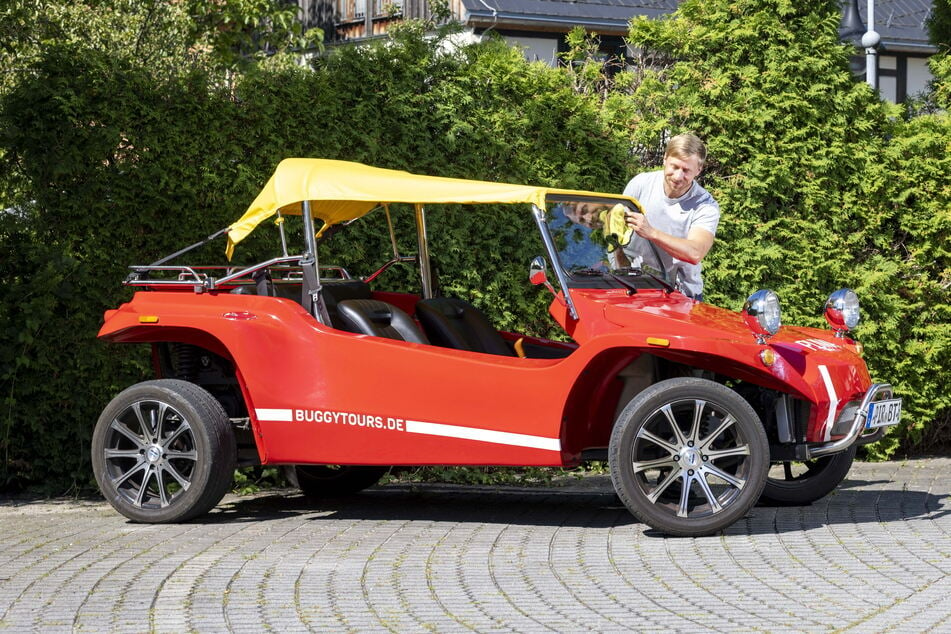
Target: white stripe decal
pixel 483 435
pixel 446 431
pixel 282 415
pixel 833 401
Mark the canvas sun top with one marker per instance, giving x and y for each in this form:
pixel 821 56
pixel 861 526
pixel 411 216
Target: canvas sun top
pixel 339 191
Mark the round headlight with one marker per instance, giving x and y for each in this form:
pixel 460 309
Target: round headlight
pixel 842 310
pixel 761 313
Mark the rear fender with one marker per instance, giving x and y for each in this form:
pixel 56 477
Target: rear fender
pixel 203 341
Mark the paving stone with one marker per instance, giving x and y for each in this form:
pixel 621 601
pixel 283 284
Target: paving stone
pixel 874 556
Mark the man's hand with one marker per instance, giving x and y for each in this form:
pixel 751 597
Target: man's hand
pixel 639 223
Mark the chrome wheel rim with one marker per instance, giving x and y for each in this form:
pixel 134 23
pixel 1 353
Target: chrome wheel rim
pixel 150 454
pixel 691 459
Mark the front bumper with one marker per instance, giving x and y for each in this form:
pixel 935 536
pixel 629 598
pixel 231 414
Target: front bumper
pixel 857 433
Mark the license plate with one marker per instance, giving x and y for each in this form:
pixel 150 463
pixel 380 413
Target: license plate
pixel 883 413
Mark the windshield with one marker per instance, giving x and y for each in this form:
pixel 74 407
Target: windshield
pixel 598 250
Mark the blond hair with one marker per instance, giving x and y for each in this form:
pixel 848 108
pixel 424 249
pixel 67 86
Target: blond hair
pixel 685 145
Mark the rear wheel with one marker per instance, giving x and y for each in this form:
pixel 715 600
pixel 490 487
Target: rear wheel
pixel 163 451
pixel 688 456
pixel 800 483
pixel 334 481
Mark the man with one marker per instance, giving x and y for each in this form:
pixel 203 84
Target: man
pixel 680 217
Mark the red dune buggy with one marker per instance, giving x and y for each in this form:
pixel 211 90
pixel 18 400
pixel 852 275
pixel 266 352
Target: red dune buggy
pixel 698 410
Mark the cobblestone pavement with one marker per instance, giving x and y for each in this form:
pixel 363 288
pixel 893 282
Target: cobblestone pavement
pixel 874 556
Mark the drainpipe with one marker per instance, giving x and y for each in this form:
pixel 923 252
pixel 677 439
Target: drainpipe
pixel 870 41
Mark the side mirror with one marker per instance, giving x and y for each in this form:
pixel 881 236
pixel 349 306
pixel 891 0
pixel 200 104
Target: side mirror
pixel 538 273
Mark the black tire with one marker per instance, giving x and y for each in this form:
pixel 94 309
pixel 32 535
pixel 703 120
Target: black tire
pixel 802 483
pixel 688 457
pixel 163 451
pixel 327 481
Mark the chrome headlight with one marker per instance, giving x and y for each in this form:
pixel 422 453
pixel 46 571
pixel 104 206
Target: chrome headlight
pixel 761 313
pixel 842 311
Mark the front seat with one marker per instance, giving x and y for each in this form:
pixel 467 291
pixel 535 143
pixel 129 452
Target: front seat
pixel 455 323
pixel 373 317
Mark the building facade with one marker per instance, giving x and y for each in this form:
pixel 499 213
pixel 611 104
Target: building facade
pixel 539 28
pixel 902 59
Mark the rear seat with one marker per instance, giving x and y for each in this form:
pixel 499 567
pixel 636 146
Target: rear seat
pixel 379 319
pixel 337 291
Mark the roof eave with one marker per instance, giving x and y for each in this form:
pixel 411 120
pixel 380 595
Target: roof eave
pixel 486 19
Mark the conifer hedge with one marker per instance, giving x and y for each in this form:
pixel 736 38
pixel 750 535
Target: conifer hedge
pixel 106 164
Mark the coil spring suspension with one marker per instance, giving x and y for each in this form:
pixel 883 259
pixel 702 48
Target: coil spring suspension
pixel 185 361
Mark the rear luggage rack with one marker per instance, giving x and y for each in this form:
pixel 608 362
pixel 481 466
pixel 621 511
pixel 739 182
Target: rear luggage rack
pixel 209 278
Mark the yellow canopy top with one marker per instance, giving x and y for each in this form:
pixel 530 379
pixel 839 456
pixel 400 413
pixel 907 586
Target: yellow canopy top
pixel 341 191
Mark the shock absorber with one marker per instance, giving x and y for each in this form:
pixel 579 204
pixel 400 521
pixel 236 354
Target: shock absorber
pixel 185 361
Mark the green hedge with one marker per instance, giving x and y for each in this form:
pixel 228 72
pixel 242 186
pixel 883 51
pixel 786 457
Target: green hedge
pixel 107 163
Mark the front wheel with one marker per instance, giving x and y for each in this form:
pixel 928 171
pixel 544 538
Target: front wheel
pixel 163 451
pixel 688 456
pixel 801 483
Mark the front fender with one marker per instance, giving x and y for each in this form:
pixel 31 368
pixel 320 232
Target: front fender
pixel 807 363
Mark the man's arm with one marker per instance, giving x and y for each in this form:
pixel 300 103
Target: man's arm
pixel 691 249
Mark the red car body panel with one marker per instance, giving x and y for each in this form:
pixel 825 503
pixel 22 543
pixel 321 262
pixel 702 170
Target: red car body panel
pixel 370 400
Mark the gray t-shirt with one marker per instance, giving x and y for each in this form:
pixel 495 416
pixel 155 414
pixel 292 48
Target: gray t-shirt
pixel 676 216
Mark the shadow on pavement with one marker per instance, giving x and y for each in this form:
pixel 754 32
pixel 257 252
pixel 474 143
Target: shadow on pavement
pixel 853 503
pixel 438 503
